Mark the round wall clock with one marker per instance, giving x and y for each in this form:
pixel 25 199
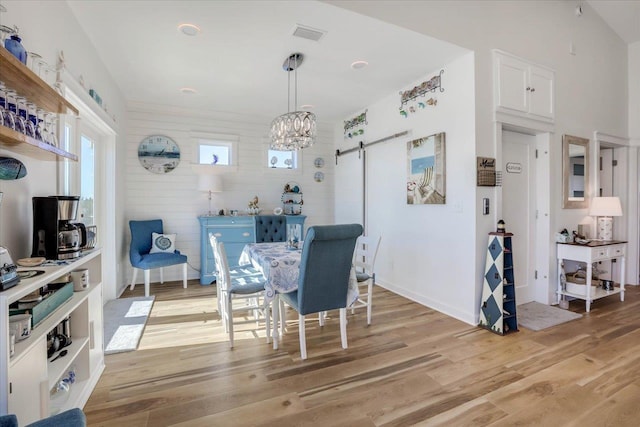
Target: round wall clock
pixel 158 154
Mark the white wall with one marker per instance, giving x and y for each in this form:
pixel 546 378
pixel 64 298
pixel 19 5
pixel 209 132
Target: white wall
pixel 634 92
pixel 47 27
pixel 424 252
pixel 174 196
pixel 540 31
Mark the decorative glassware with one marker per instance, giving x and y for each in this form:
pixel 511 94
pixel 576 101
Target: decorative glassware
pixel 293 236
pixel 14 46
pixel 21 103
pixel 12 106
pixel 46 128
pixel 7 118
pixel 23 112
pixel 34 61
pixel 40 130
pixel 53 137
pixel 32 116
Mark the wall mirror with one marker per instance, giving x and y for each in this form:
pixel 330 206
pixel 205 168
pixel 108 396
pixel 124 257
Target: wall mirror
pixel 575 172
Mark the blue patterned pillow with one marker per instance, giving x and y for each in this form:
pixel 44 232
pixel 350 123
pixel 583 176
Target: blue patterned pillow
pixel 162 243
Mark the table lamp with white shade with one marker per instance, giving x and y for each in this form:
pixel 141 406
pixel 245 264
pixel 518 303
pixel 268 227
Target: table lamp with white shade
pixel 605 208
pixel 211 184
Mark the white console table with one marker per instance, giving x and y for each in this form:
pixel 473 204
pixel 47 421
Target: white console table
pixel 589 253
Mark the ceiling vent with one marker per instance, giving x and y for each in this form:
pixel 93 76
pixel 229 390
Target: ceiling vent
pixel 308 33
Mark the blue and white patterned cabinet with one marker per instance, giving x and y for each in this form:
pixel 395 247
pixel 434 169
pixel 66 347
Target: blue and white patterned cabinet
pixel 498 310
pixel 235 232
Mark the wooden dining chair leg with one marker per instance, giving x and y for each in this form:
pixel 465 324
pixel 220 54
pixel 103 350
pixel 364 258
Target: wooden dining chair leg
pixel 303 340
pixel 343 327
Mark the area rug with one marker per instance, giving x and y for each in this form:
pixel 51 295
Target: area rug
pixel 124 322
pixel 537 316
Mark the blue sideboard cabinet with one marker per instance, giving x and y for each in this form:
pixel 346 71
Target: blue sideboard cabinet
pixel 235 232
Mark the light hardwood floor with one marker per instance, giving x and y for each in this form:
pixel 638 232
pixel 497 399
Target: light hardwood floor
pixel 413 365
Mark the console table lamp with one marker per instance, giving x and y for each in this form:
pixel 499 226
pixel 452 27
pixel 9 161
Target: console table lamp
pixel 605 208
pixel 211 184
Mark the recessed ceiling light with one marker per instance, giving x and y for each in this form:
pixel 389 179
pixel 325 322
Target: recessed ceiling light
pixel 189 29
pixel 306 107
pixel 356 65
pixel 188 90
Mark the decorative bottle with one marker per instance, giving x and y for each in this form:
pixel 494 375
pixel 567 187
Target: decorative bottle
pixel 14 46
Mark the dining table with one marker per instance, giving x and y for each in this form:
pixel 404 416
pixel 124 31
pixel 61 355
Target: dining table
pixel 280 265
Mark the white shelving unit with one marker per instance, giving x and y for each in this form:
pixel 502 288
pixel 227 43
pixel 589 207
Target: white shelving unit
pixel 28 376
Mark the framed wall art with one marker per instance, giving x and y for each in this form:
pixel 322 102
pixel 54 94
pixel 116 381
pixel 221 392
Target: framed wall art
pixel 426 170
pixel 158 154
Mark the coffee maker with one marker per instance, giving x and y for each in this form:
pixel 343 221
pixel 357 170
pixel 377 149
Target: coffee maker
pixel 55 236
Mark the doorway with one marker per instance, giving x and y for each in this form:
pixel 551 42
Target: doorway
pixel 519 207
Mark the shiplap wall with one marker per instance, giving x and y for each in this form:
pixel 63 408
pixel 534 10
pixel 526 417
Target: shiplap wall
pixel 174 196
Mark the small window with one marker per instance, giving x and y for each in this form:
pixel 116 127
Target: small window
pixel 211 153
pixel 215 149
pixel 282 159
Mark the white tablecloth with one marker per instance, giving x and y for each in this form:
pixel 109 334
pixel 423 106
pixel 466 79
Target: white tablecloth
pixel 281 268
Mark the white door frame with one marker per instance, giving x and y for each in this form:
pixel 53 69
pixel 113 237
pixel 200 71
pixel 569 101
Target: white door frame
pixel 544 281
pixel 627 227
pixel 106 181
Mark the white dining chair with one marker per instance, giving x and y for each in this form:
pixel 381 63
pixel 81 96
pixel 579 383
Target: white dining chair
pixel 248 288
pixel 364 258
pixel 238 271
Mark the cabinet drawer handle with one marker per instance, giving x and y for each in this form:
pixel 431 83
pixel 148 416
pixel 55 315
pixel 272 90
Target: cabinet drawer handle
pixel 246 234
pixel 217 234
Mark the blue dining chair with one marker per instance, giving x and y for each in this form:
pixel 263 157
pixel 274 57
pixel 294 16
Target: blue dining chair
pixel 324 275
pixel 141 258
pixel 271 228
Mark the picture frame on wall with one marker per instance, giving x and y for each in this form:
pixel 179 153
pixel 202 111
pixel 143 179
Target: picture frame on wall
pixel 426 170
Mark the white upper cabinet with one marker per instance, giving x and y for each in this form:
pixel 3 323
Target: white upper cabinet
pixel 522 88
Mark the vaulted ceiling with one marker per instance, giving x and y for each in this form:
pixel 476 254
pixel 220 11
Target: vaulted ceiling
pixel 235 62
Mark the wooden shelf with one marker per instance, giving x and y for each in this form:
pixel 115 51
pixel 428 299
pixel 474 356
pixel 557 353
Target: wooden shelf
pixel 23 144
pixel 25 82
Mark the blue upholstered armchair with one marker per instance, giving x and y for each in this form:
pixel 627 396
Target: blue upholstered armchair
pixel 141 257
pixel 71 418
pixel 271 228
pixel 324 275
